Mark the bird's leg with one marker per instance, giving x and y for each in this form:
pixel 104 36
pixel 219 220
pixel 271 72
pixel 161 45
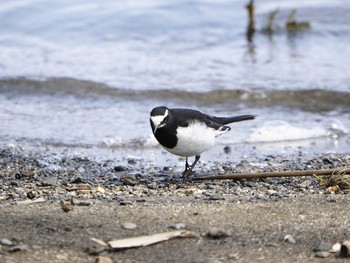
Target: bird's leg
pixel 188 169
pixel 195 161
pixel 187 166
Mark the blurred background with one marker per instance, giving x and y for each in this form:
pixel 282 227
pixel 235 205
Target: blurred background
pixel 80 77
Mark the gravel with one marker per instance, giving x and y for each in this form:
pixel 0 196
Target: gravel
pixel 105 196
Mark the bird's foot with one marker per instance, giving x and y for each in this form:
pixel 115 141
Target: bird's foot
pixel 186 174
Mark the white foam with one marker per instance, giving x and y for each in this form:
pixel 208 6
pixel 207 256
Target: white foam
pixel 282 131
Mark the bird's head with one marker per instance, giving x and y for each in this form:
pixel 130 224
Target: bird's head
pixel 159 117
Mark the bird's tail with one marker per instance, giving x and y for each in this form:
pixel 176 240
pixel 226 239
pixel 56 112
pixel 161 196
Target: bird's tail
pixel 227 120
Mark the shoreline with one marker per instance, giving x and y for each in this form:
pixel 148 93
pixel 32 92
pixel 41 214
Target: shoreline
pixel 54 205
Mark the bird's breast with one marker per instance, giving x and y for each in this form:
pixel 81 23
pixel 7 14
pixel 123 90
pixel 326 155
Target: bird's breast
pixel 193 139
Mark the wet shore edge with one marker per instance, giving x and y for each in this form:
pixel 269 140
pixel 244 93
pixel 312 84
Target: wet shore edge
pixel 31 175
pixel 52 206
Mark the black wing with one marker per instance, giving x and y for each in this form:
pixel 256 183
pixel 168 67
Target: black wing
pixel 185 116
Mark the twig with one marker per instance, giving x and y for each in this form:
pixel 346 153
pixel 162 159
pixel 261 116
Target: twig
pixel 239 176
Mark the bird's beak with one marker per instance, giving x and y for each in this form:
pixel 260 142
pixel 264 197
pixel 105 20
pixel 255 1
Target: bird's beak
pixel 158 126
pixel 155 128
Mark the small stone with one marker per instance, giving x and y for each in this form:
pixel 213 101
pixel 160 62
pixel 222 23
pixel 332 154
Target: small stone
pixel 31 194
pixel 14 183
pixel 178 226
pixel 20 247
pixel 6 242
pixel 82 202
pixel 100 190
pixel 345 249
pixel 67 206
pixel 290 239
pixel 227 149
pixel 335 248
pixel 27 173
pixel 215 197
pixel 323 246
pixel 217 233
pixel 129 226
pixel 322 254
pixel 125 203
pixel 77 180
pixel 305 184
pixel 128 180
pixel 62 257
pixel 332 189
pixel 131 161
pixel 152 185
pixel 250 184
pixel 120 168
pixel 271 192
pixel 102 259
pixel 49 181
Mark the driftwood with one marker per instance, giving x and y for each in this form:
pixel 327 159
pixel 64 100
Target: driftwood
pixel 142 241
pixel 239 176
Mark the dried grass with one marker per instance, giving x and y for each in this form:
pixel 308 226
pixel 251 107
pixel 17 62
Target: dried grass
pixel 339 178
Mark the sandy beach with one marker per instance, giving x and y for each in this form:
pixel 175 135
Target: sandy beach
pixel 50 210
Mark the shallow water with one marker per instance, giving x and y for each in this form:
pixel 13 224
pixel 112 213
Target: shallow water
pixel 82 77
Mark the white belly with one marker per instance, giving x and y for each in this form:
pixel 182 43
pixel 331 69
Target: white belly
pixel 194 139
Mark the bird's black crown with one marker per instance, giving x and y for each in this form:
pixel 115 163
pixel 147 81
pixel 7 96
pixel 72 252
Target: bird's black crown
pixel 159 111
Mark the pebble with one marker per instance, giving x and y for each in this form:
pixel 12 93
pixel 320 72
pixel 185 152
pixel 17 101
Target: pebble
pixel 27 173
pixel 335 248
pixel 345 249
pixel 82 202
pixel 62 257
pixel 250 184
pixel 323 246
pixel 49 181
pixel 129 226
pixel 305 183
pixel 290 239
pixel 178 226
pixel 322 254
pixel 215 197
pixel 6 242
pixel 20 247
pixel 77 180
pixel 125 203
pixel 217 233
pixel 31 194
pixel 129 181
pixel 100 190
pixel 67 206
pixel 271 191
pixel 103 259
pixel 120 168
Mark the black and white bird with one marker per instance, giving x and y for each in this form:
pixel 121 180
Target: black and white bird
pixel 186 132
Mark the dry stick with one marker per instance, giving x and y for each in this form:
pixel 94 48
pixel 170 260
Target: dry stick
pixel 273 174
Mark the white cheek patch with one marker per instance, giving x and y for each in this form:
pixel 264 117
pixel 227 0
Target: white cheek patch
pixel 157 119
